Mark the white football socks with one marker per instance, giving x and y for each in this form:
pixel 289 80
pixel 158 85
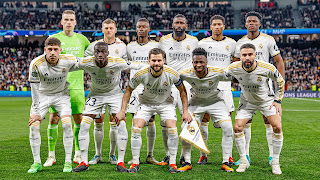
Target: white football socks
pixel 122 140
pixel 67 137
pixel 136 143
pixel 227 140
pixel 98 134
pixel 205 134
pixel 247 133
pixel 269 133
pixel 277 141
pixel 84 137
pixel 239 139
pixel 113 137
pixel 35 141
pixel 151 137
pixel 173 141
pixel 165 140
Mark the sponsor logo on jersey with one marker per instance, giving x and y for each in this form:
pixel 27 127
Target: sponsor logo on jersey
pixel 191 130
pixel 64 70
pixel 165 83
pixel 210 83
pixel 188 48
pixel 259 79
pixel 260 46
pixel 227 48
pixel 117 51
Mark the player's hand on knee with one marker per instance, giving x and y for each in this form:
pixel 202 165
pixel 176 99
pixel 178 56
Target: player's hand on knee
pixel 186 117
pixel 33 118
pixel 120 116
pixel 278 108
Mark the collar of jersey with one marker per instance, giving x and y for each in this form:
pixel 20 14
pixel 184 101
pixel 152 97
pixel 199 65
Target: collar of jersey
pixel 252 70
pixel 180 40
pixel 74 33
pixel 224 38
pixel 45 57
pixel 203 76
pixel 255 37
pixel 109 44
pixel 142 44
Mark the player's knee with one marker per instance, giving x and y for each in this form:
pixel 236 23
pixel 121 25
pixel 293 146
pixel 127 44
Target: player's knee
pixel 66 122
pixel 227 128
pixel 277 128
pixel 172 131
pixel 206 118
pixel 54 118
pixel 238 128
pixel 77 118
pixel 136 130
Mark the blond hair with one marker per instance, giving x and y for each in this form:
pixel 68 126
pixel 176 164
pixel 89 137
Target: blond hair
pixel 109 21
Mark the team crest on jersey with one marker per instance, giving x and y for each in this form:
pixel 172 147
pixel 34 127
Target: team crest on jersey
pixel 259 79
pixel 188 48
pixel 260 46
pixel 111 72
pixel 34 74
pixel 165 83
pixel 191 130
pixel 227 48
pixel 117 51
pixel 64 70
pixel 210 83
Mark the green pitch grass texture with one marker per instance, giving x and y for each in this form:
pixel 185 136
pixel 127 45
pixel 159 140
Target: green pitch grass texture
pixel 299 157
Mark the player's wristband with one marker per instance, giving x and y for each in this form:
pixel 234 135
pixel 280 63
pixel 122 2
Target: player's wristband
pixel 277 101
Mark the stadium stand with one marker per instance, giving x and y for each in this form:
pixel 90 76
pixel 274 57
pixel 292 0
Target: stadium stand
pixel 311 16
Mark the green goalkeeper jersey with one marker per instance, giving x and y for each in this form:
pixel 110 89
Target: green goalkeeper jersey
pixel 76 45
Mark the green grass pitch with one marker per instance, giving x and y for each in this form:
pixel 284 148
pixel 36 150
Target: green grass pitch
pixel 298 158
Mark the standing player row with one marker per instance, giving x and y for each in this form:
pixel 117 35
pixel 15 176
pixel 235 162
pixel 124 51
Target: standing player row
pixel 178 47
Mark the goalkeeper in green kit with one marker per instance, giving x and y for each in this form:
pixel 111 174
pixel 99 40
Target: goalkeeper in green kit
pixel 71 43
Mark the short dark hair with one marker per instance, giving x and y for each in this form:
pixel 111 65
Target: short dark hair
pixel 248 45
pixel 200 52
pixel 52 41
pixel 101 43
pixel 253 13
pixel 143 20
pixel 218 17
pixel 157 51
pixel 180 16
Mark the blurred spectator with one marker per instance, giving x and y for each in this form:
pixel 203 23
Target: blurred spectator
pixel 311 17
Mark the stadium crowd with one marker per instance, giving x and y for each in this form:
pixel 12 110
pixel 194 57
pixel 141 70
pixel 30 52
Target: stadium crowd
pixel 302 65
pixel 311 16
pixel 273 17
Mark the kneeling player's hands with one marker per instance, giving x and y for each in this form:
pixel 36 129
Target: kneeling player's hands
pixel 120 116
pixel 33 118
pixel 186 117
pixel 278 108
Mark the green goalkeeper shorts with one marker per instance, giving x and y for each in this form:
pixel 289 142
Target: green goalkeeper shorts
pixel 77 102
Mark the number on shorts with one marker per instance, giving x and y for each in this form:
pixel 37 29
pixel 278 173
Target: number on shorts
pixel 91 101
pixel 133 101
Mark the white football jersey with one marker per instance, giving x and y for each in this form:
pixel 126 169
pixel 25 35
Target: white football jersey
pixel 157 90
pixel 115 49
pixel 254 85
pixel 107 79
pixel 220 54
pixel 140 52
pixel 265 46
pixel 178 53
pixel 52 79
pixel 205 88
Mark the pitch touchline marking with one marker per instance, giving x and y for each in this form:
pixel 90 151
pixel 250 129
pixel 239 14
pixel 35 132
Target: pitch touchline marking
pixel 307 99
pixel 301 110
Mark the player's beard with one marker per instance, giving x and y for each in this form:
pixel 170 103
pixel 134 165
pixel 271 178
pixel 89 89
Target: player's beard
pixel 179 33
pixel 153 68
pixel 248 66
